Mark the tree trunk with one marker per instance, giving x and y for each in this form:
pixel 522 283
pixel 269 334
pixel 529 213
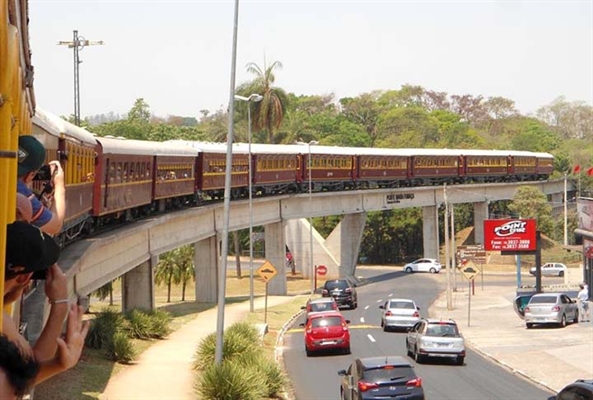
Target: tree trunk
pixel 237 253
pixel 183 290
pixel 169 283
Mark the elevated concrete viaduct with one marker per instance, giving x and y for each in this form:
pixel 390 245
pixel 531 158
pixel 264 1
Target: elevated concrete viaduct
pixel 132 252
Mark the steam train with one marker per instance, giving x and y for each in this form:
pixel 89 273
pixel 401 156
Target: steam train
pixel 115 179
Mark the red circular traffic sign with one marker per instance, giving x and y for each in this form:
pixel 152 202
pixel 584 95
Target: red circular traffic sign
pixel 322 270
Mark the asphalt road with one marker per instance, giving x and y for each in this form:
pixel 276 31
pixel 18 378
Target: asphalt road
pixel 316 377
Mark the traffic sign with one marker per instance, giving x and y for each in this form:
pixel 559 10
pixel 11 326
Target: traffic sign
pixel 266 271
pixel 472 252
pixel 321 270
pixel 469 270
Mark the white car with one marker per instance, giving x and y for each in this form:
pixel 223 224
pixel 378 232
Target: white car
pixel 399 313
pixel 423 265
pixel 551 269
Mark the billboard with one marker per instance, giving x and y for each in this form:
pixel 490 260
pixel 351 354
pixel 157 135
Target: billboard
pixel 510 235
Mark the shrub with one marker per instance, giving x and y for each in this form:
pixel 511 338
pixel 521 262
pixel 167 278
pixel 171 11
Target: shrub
pixel 246 330
pixel 160 323
pixel 121 348
pixel 140 324
pixel 103 327
pixel 229 380
pixel 234 344
pixel 268 370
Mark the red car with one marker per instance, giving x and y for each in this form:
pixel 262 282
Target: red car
pixel 326 330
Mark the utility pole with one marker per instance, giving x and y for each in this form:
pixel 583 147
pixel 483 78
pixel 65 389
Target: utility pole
pixel 78 43
pixel 449 296
pixel 565 210
pixel 453 249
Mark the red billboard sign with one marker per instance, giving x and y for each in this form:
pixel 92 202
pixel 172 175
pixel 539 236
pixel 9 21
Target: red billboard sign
pixel 510 235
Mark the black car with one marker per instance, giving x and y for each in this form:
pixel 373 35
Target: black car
pixel 581 389
pixel 388 377
pixel 342 291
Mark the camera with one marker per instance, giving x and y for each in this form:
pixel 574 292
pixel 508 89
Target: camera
pixel 44 174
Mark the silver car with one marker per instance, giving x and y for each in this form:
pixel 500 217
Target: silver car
pixel 435 338
pixel 399 313
pixel 551 308
pixel 551 269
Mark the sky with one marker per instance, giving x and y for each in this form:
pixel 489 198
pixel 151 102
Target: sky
pixel 176 55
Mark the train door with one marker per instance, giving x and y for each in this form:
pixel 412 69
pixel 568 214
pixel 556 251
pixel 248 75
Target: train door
pixel 461 171
pixel 510 165
pixel 107 173
pixel 301 168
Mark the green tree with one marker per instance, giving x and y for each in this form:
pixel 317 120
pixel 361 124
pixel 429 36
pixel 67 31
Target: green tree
pixel 267 114
pixel 184 271
pixel 140 112
pixel 165 271
pixel 530 203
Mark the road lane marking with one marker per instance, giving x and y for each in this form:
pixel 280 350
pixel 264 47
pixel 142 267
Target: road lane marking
pixel 367 307
pixel 371 338
pixel 390 294
pixel 380 301
pixel 362 320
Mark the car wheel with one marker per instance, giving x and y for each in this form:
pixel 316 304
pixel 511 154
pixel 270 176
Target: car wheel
pixel 347 350
pixel 576 317
pixel 561 274
pixel 308 352
pixel 417 356
pixel 459 360
pixel 563 321
pixel 385 329
pixel 529 325
pixel 432 270
pixel 408 270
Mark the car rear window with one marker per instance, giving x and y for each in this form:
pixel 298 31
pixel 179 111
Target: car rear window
pixel 401 304
pixel 543 300
pixel 389 373
pixel 442 330
pixel 336 285
pixel 326 321
pixel 321 306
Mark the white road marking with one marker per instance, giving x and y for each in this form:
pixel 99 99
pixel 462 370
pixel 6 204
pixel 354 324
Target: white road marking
pixel 371 338
pixel 380 301
pixel 390 294
pixel 362 320
pixel 367 307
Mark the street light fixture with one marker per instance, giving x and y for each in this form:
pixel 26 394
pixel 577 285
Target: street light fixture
pixel 78 43
pixel 313 272
pixel 253 98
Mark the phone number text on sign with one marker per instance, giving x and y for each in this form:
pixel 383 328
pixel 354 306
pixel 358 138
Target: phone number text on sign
pixel 510 235
pixel 510 244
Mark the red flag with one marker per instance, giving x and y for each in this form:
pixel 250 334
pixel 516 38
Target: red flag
pixel 590 171
pixel 576 169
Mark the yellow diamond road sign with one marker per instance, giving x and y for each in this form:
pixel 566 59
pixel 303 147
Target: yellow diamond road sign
pixel 267 271
pixel 469 270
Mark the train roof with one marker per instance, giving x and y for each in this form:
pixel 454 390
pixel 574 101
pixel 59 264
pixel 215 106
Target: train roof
pixel 209 147
pixel 58 127
pixel 113 145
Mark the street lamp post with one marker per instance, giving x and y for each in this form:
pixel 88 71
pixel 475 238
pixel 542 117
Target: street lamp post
pixel 313 271
pixel 77 43
pixel 252 98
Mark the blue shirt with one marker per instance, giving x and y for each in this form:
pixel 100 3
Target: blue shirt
pixel 41 215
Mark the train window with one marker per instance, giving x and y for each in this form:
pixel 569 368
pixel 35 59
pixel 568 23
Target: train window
pixel 124 177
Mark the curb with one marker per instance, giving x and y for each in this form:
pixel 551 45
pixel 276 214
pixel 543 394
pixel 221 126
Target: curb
pixel 279 349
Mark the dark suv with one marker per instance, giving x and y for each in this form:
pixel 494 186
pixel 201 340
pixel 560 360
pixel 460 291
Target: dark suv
pixel 343 292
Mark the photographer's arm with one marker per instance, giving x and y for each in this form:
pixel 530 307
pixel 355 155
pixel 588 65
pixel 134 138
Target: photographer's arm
pixel 58 207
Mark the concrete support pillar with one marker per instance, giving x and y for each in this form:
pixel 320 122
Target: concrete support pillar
pixel 298 239
pixel 480 214
pixel 276 255
pixel 430 232
pixel 138 286
pixel 344 243
pixel 206 262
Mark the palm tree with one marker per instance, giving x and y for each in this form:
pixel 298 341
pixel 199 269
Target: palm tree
pixel 165 271
pixel 268 114
pixel 184 258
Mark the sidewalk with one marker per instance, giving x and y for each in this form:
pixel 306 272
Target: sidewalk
pixel 553 357
pixel 164 370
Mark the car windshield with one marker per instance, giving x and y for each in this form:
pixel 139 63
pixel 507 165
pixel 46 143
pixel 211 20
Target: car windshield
pixel 442 330
pixel 543 300
pixel 326 321
pixel 401 304
pixel 336 285
pixel 389 373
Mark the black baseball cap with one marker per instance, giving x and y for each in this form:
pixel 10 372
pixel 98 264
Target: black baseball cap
pixel 28 249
